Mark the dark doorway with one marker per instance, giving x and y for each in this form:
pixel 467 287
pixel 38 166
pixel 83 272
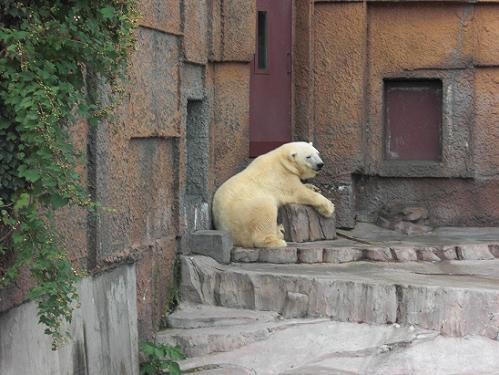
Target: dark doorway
pixel 270 99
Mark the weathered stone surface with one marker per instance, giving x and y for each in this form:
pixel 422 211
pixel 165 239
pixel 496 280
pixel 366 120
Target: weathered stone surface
pixel 213 243
pixel 303 223
pixel 230 83
pixel 345 348
pixel 103 333
pixel 342 254
pixel 189 316
pixel 296 305
pixel 447 253
pixel 201 341
pixel 162 15
pixel 411 229
pixel 494 249
pixel 378 254
pixel 244 255
pixel 474 252
pixel 194 287
pixel 196 31
pixel 428 254
pixel 457 298
pixel 279 255
pixel 233 30
pixel 415 213
pixel 404 253
pixel 310 255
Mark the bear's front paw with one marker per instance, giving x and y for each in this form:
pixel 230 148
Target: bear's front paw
pixel 313 188
pixel 327 209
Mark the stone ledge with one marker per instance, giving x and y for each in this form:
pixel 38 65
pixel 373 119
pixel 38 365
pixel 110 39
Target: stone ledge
pixel 323 252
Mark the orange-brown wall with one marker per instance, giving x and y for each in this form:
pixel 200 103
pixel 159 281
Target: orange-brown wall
pixel 187 51
pixel 358 44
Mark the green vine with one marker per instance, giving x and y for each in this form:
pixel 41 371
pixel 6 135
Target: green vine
pixel 48 48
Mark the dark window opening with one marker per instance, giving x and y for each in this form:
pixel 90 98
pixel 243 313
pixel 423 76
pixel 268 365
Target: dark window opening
pixel 262 38
pixel 413 120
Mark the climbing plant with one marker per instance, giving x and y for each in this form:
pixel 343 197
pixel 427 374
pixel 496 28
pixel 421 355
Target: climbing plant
pixel 48 51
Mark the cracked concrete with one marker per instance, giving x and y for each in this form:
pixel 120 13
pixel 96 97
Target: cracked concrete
pixel 320 346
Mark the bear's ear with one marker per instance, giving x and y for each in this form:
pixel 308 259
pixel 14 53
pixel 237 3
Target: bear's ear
pixel 310 143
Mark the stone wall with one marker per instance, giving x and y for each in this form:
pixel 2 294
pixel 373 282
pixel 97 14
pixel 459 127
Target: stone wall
pixel 356 45
pixel 180 130
pixel 103 334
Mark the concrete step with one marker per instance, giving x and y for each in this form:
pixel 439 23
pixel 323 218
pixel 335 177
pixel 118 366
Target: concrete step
pixel 204 329
pixel 188 315
pixel 370 242
pixel 456 298
pixel 312 347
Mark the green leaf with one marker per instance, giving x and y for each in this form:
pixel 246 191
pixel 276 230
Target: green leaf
pixel 30 175
pixel 107 12
pixel 22 201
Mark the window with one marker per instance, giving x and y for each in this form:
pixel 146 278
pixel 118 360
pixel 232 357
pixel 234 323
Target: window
pixel 413 120
pixel 262 40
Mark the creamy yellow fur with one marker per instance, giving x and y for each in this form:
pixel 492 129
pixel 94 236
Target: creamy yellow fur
pixel 246 205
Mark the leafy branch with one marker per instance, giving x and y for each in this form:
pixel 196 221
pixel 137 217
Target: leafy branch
pixel 46 50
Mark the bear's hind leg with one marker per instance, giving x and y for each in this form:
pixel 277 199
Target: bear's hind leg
pixel 264 229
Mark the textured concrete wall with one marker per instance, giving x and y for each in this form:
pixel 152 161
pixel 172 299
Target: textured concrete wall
pixel 103 340
pixel 359 44
pixel 180 130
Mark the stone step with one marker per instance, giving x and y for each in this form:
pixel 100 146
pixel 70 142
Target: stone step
pixel 316 348
pixel 338 252
pixel 188 315
pixel 456 298
pixel 204 329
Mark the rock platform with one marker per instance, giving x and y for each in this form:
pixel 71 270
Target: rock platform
pixel 374 301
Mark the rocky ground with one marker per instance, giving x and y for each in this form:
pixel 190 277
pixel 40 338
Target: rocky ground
pixel 374 301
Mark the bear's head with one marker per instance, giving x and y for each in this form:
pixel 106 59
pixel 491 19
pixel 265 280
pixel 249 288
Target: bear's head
pixel 303 159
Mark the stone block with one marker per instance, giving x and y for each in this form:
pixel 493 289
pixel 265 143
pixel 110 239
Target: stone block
pixel 296 305
pixel 474 252
pixel 279 255
pixel 447 253
pixel 405 253
pixel 342 254
pixel 310 255
pixel 379 254
pixel 428 254
pixel 193 81
pixel 233 30
pixel 196 31
pixel 161 15
pixel 494 249
pixel 486 22
pixel 303 223
pixel 213 243
pixel 152 107
pixel 415 213
pixel 244 255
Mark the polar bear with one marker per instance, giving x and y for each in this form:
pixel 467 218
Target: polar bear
pixel 246 205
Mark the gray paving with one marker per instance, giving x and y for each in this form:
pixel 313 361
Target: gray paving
pixel 315 347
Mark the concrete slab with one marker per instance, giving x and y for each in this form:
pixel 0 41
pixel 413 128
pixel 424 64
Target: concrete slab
pixel 188 316
pixel 311 347
pixel 455 297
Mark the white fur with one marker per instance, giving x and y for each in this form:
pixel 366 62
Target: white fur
pixel 246 205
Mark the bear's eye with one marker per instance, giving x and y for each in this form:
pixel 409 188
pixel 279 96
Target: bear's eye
pixel 309 156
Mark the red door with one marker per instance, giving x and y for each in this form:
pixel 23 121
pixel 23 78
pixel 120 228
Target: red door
pixel 270 84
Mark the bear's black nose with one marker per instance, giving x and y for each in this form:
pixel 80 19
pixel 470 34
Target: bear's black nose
pixel 320 165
